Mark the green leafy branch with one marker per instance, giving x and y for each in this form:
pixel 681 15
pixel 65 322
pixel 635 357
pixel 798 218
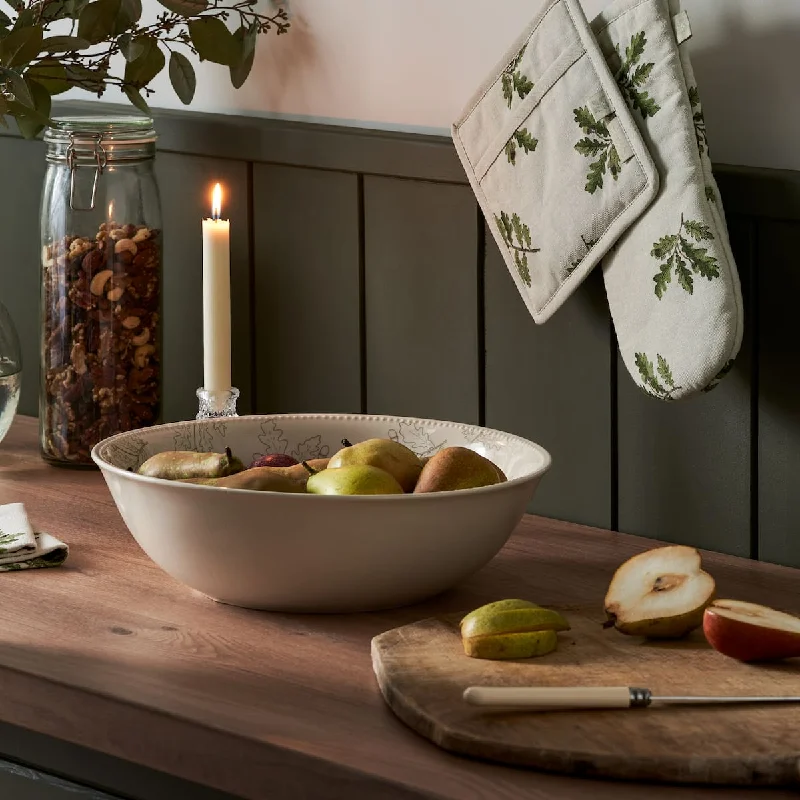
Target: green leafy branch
pixel 597 143
pixel 684 258
pixel 513 80
pixel 657 380
pixel 517 237
pixel 35 66
pixel 521 138
pixel 632 80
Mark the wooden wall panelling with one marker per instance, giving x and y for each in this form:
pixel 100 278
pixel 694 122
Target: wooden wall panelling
pixel 684 468
pixel 307 319
pixel 185 183
pixel 779 392
pixel 23 168
pixel 552 383
pixel 422 304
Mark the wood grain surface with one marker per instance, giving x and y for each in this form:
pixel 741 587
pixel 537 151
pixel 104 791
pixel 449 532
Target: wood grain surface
pixel 422 672
pixel 110 653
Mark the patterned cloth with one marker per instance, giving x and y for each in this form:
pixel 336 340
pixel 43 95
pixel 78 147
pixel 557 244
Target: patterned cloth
pixel 588 143
pixel 21 547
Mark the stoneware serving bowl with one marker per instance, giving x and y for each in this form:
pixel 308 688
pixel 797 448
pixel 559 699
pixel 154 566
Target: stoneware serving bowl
pixel 317 553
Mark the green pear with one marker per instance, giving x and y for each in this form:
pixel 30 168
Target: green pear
pixel 457 468
pixel 353 479
pixel 174 465
pixel 392 457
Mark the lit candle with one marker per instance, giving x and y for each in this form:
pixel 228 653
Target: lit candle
pixel 216 298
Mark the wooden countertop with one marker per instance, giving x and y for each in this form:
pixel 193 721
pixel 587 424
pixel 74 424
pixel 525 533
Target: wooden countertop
pixel 110 653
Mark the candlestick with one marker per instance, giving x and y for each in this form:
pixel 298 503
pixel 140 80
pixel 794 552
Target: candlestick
pixel 216 299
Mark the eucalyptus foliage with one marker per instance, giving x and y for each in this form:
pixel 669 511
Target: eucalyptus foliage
pixel 50 46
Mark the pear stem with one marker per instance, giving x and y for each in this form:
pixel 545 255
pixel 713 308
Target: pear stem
pixel 310 469
pixel 347 443
pixel 228 453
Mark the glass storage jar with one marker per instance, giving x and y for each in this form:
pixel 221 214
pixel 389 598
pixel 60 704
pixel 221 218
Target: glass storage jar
pixel 101 284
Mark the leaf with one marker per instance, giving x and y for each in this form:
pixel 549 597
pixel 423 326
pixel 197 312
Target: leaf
pixel 589 124
pixel 595 176
pixel 186 8
pixel 524 139
pixel 647 373
pixel 213 41
pixel 697 230
pixel 504 226
pixel 702 263
pixel 521 231
pixel 685 279
pixel 132 48
pixel 635 50
pixel 32 121
pixel 508 89
pixel 641 74
pixel 98 20
pixel 92 80
pixel 511 151
pixel 63 44
pixel 51 74
pixel 643 103
pixel 590 147
pixel 664 371
pixel 663 278
pixel 522 85
pixel 521 260
pixel 245 39
pixel 144 68
pixel 664 246
pixel 614 164
pixel 694 96
pixel 182 77
pixel 20 46
pixel 74 8
pixel 711 195
pixel 136 99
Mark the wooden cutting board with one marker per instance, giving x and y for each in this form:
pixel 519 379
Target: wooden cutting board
pixel 422 672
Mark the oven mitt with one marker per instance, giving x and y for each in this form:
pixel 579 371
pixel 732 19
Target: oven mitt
pixel 671 279
pixel 554 156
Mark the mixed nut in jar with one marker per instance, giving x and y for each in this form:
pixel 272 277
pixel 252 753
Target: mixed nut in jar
pixel 101 285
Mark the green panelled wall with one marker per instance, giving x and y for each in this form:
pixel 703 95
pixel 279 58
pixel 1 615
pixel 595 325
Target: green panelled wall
pixel 364 281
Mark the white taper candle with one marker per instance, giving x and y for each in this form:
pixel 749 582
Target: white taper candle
pixel 216 299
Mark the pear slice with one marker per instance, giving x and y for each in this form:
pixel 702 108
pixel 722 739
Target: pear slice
pixel 661 593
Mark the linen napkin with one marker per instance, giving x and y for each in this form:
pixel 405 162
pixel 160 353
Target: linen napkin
pixel 21 547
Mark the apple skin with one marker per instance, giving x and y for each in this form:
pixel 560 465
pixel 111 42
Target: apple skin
pixel 746 642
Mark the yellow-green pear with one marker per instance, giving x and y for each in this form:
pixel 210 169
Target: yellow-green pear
pixel 456 468
pixel 353 480
pixel 386 454
pixel 511 645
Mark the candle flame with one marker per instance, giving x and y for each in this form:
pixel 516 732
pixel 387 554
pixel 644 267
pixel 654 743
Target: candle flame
pixel 216 202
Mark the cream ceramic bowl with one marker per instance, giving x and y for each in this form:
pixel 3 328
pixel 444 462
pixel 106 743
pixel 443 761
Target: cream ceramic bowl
pixel 310 553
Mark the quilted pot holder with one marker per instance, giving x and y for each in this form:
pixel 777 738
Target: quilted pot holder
pixel 671 279
pixel 554 156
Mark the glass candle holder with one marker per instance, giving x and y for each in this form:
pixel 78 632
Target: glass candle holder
pixel 217 403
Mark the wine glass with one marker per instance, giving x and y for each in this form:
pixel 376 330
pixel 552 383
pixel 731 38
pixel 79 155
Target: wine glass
pixel 10 371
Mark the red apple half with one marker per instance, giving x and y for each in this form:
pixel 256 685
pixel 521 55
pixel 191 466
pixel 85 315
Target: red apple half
pixel 751 632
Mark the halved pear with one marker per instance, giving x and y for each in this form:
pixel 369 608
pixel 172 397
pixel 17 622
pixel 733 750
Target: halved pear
pixel 660 593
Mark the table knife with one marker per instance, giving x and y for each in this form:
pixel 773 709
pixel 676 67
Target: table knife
pixel 593 697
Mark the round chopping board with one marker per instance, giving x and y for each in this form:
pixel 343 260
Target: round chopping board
pixel 422 672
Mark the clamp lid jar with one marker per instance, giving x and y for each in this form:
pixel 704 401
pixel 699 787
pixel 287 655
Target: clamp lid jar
pixel 101 284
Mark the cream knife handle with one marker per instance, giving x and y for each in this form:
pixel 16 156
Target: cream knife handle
pixel 555 696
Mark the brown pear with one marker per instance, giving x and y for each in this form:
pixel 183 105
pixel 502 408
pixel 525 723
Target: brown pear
pixel 268 479
pixel 456 468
